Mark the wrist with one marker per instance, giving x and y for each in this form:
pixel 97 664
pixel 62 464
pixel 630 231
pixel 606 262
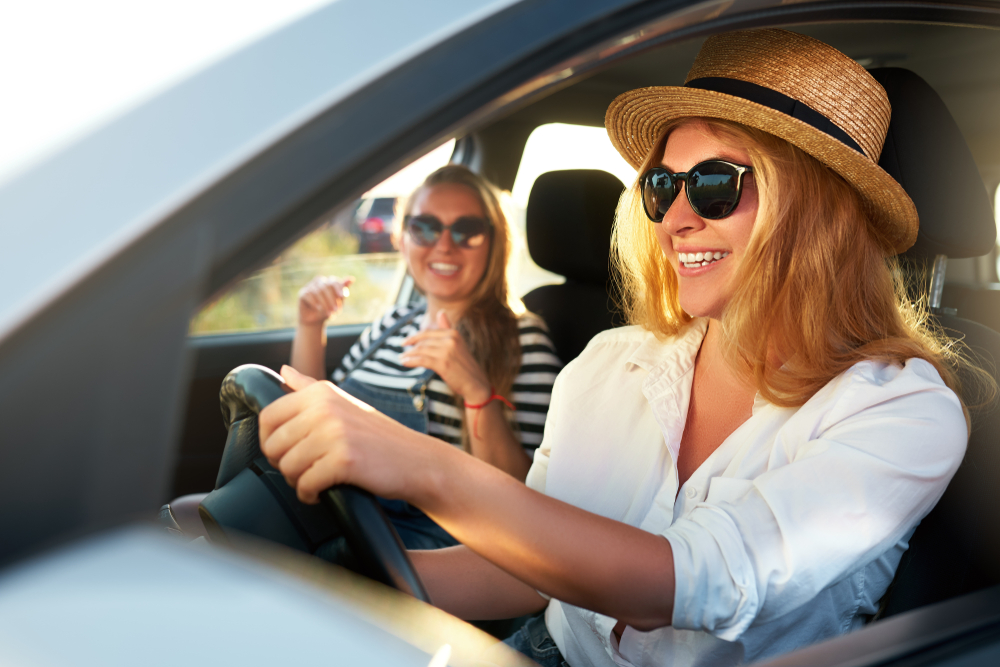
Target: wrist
pixel 312 328
pixel 477 396
pixel 429 486
pixel 310 334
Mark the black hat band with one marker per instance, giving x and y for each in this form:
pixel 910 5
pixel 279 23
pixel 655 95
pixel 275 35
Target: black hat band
pixel 780 102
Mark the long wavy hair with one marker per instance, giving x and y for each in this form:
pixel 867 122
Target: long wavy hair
pixel 489 324
pixel 816 289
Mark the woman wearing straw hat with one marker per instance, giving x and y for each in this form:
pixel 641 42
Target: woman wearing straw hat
pixel 736 474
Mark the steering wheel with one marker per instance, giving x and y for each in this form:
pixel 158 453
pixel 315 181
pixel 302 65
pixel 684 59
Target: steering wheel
pixel 250 496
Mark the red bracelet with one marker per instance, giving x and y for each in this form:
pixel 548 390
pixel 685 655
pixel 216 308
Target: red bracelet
pixel 476 406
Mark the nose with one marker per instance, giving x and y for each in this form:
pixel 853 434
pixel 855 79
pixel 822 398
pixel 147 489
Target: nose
pixel 445 242
pixel 680 220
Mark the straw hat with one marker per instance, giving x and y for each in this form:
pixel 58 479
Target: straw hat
pixel 789 85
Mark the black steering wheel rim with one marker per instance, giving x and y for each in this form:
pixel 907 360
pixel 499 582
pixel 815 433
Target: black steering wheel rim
pixel 377 549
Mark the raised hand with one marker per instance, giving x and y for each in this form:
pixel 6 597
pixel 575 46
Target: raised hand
pixel 443 350
pixel 322 297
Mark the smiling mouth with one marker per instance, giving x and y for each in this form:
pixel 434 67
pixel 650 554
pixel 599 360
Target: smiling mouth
pixel 692 260
pixel 443 269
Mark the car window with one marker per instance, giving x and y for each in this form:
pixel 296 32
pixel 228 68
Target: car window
pixel 553 147
pixel 354 241
pixel 382 206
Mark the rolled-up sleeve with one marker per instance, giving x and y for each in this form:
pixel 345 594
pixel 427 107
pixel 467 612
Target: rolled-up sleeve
pixel 840 491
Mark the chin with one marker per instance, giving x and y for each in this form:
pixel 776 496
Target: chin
pixel 700 307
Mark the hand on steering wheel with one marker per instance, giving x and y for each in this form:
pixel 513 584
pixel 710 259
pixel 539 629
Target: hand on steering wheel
pixel 246 392
pixel 319 436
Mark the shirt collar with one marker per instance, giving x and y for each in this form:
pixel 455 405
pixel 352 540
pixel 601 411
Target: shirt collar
pixel 678 350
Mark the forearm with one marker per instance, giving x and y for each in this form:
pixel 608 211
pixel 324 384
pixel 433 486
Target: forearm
pixel 470 587
pixel 318 436
pixel 309 350
pixel 492 440
pixel 568 553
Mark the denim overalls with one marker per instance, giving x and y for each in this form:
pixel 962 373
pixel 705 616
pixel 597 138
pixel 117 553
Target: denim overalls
pixel 415 528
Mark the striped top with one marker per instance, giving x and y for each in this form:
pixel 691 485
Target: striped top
pixel 530 393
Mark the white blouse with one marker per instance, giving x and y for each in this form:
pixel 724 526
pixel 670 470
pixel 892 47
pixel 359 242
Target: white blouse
pixel 789 533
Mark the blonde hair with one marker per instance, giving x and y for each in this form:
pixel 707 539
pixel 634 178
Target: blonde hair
pixel 815 288
pixel 489 324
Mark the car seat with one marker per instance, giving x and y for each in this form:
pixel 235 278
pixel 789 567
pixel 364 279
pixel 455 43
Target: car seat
pixel 568 227
pixel 956 548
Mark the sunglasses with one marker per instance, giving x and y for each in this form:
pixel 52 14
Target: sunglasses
pixel 713 189
pixel 467 232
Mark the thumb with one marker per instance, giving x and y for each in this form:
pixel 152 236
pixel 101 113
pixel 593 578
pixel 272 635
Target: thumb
pixel 295 379
pixel 442 320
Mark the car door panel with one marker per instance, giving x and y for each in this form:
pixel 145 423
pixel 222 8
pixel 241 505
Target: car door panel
pixel 204 436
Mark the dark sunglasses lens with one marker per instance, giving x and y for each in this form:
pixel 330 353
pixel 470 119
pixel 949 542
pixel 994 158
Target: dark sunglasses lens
pixel 713 189
pixel 658 192
pixel 424 230
pixel 469 232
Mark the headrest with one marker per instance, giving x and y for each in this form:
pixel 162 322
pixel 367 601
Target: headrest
pixel 927 154
pixel 568 223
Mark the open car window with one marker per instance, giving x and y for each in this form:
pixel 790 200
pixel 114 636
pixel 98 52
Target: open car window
pixel 352 241
pixel 355 241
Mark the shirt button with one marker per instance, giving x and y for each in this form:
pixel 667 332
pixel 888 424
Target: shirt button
pixel 692 493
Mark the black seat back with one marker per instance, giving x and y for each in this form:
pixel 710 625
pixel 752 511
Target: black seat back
pixel 956 549
pixel 568 222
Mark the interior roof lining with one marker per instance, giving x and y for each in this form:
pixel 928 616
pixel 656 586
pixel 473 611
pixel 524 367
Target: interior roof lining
pixel 956 60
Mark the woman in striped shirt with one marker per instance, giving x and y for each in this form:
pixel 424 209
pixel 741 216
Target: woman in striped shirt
pixel 451 365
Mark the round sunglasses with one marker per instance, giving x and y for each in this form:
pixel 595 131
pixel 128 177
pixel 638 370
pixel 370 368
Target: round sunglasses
pixel 467 232
pixel 713 189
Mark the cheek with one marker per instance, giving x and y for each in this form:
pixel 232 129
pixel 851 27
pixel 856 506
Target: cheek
pixel 412 254
pixel 482 258
pixel 741 231
pixel 743 224
pixel 664 239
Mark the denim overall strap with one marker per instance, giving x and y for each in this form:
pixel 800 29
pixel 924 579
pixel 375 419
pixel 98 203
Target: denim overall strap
pixel 409 409
pixel 397 325
pixel 415 528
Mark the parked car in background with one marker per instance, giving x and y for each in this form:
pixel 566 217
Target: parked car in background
pixel 374 220
pixel 109 248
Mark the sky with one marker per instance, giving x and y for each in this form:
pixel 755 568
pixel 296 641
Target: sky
pixel 69 66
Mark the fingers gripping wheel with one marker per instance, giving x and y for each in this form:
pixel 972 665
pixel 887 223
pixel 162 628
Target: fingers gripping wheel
pixel 252 497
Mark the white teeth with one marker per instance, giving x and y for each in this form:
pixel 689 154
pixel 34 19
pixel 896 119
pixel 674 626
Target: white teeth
pixel 694 259
pixel 438 266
